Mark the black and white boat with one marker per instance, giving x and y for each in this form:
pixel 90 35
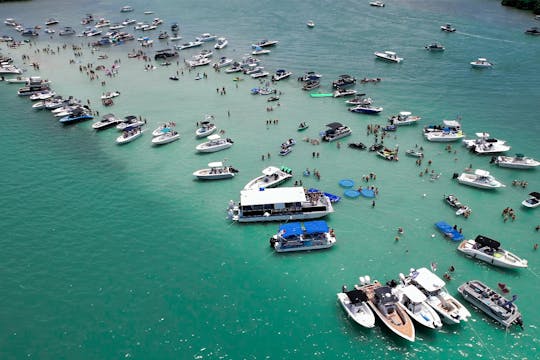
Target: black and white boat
pixel 335 132
pixel 107 121
pixel 343 81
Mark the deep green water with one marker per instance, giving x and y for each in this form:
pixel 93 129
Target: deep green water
pixel 115 251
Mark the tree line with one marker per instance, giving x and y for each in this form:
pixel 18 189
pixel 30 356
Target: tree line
pixel 533 5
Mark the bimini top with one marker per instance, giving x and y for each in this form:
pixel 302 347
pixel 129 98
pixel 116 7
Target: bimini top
pixel 316 227
pixel 280 195
pixel 485 241
pixel 356 296
pixel 334 125
pixel 428 280
pixel 415 295
pixel 535 195
pixel 481 172
pixel 290 229
pixel 384 295
pixel 215 164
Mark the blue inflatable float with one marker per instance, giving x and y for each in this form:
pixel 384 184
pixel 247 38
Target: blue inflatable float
pixel 347 183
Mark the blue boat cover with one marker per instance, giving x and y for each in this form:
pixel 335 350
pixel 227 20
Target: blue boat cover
pixel 449 231
pixel 316 227
pixel 290 229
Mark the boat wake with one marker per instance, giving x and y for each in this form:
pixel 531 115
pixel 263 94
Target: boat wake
pixel 486 37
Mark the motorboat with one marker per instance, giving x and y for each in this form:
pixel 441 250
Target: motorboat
pixel 130 121
pixel 264 43
pixel 163 35
pixel 519 161
pixel 17 80
pixel 449 308
pixel 188 45
pixel 260 74
pixel 110 95
pixel 77 115
pixel 357 146
pixel 221 42
pixel 51 21
pixel 295 236
pixel 198 62
pixel 491 303
pixel 126 8
pixel 165 54
pixel 449 232
pixel 454 202
pixel 205 129
pixel 43 95
pixel 6 38
pixel 234 68
pixel 10 22
pixel 175 37
pixel 214 143
pixel 481 63
pixel 366 109
pixel 532 201
pixel 343 81
pixel 388 154
pixel 335 132
pixel 448 28
pixel 163 128
pixel 281 74
pixel 279 204
pixel 49 31
pixel 479 178
pixel 68 30
pixel 29 32
pixel 354 302
pixel 310 75
pixel 311 84
pixel 272 176
pixel 359 99
pixel 449 131
pixel 533 31
pixel 107 121
pixel 414 302
pixel 302 126
pixel 129 134
pixel 310 24
pixel 223 62
pixel 89 18
pixel 175 27
pixel 157 22
pixel 216 171
pixel 484 144
pixel 206 37
pixel 129 21
pixel 94 32
pixel 414 153
pixel 387 308
pixel 376 3
pixel 285 150
pixel 490 251
pixel 434 46
pixel 102 23
pixel 404 118
pixel 388 56
pixel 166 137
pixel 260 51
pixel 343 92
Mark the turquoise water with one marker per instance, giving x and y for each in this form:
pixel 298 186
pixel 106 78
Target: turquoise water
pixel 115 251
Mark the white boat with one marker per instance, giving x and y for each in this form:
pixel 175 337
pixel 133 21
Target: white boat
pixel 10 22
pixel 413 301
pixel 264 43
pixel 279 204
pixel 343 92
pixel 163 128
pixel 188 45
pixel 494 305
pixel 42 95
pixel 259 74
pixel 110 95
pixel 450 130
pixel 481 63
pixel 214 143
pixel 335 132
pixel 106 121
pixel 532 201
pixel 461 209
pixel 223 62
pixel 359 100
pixel 126 8
pixel 281 74
pixel 49 31
pixel 166 137
pixel 128 135
pixel 294 236
pixel 130 121
pixel 102 23
pixel 18 80
pixel 388 56
pixel 175 37
pixel 271 176
pixel 206 128
pixel 449 309
pixel 94 32
pixel 376 3
pixel 519 161
pixel 9 69
pixel 354 302
pixel 310 24
pixel 434 46
pixel 484 144
pixel 480 179
pixel 490 251
pixel 404 118
pixel 116 26
pixel 51 21
pixel 216 171
pixel 260 51
pixel 221 43
pixel 206 37
pixel 198 62
pixel 448 28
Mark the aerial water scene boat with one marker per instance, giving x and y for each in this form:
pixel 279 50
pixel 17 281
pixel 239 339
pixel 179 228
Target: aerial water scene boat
pixel 104 199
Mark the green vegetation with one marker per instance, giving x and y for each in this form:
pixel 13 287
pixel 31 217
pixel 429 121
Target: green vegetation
pixel 533 5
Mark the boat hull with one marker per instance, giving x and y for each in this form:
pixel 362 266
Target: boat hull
pixel 361 314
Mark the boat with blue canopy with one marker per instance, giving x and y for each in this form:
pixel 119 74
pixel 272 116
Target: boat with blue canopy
pixel 450 232
pixel 312 235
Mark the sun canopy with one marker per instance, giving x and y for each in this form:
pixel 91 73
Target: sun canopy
pixel 334 125
pixel 290 229
pixel 356 296
pixel 485 241
pixel 316 227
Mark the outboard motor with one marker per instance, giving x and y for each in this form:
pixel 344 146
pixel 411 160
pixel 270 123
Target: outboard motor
pixel 344 288
pixel 455 176
pixel 368 279
pixel 362 280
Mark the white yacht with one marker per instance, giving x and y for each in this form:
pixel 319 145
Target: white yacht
pixel 221 43
pixel 449 131
pixel 388 56
pixel 271 176
pixel 519 161
pixel 479 178
pixel 216 170
pixel 214 143
pixel 354 302
pixel 484 144
pixel 490 251
pixel 279 204
pixel 532 201
pixel 404 118
pixel 414 303
pixel 481 63
pixel 335 131
pixel 451 310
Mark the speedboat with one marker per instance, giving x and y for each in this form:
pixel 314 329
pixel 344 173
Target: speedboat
pixel 311 84
pixel 386 306
pixel 271 176
pixel 188 45
pixel 29 32
pixel 310 24
pixel 388 154
pixel 343 81
pixel 221 43
pixel 17 80
pixel 359 100
pixel 49 31
pixel 214 143
pixel 302 126
pixel 335 131
pixel 260 51
pixel 461 209
pixel 366 109
pixel 110 95
pixel 107 121
pixel 281 74
pixel 10 22
pixel 42 95
pixel 480 179
pixel 533 31
pixel 6 38
pixel 481 63
pixel 484 144
pixel 448 28
pixel 206 128
pixel 449 131
pixel 51 21
pixel 519 161
pixel 166 137
pixel 130 121
pixel 68 30
pixel 206 37
pixel 494 305
pixel 449 308
pixel 312 235
pixel 77 115
pixel 264 43
pixel 404 118
pixel 128 22
pixel 129 134
pixel 198 62
pixel 310 75
pixel 376 3
pixel 126 8
pixel 434 46
pixel 222 62
pixel 235 67
pixel 388 56
pixel 93 32
pixel 414 302
pixel 354 302
pixel 490 251
pixel 163 35
pixel 285 150
pixel 102 23
pixel 259 74
pixel 532 201
pixel 163 128
pixel 216 171
pixel 343 92
pixel 414 153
